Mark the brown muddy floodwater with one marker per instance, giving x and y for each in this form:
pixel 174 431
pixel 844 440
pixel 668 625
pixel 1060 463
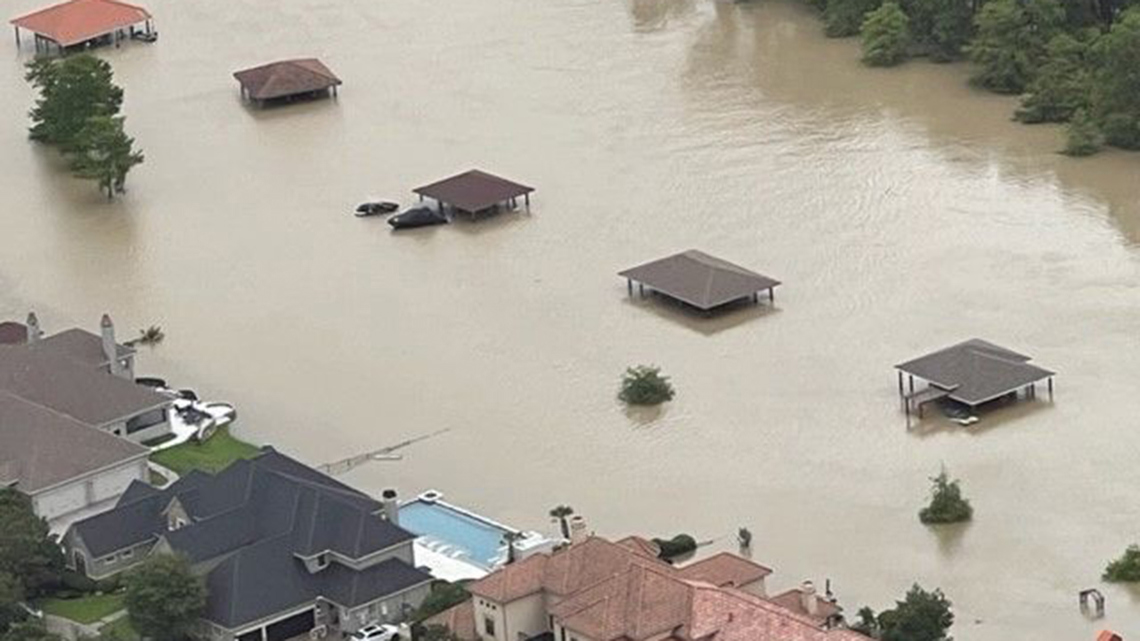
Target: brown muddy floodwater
pixel 902 210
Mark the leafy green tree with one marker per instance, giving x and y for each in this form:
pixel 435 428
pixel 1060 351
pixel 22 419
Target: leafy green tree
pixel 164 598
pixel 1062 84
pixel 886 36
pixel 844 18
pixel 939 28
pixel 103 152
pixel 921 616
pixel 1116 82
pixel 11 595
pixel 1126 569
pixel 562 514
pixel 1083 136
pixel 1011 41
pixel 946 502
pixel 72 91
pixel 443 596
pixel 644 385
pixel 28 551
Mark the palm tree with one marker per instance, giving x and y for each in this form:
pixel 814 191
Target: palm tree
pixel 509 539
pixel 562 513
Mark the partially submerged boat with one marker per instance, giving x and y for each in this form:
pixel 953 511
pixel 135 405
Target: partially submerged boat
pixel 419 216
pixel 381 207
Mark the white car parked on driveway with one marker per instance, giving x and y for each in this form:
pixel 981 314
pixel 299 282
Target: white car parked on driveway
pixel 377 632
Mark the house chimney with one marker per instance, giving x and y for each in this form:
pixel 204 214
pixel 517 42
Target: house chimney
pixel 34 331
pixel 389 499
pixel 110 347
pixel 578 532
pixel 808 598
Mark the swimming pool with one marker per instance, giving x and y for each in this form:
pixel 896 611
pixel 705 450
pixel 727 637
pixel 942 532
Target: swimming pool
pixel 478 540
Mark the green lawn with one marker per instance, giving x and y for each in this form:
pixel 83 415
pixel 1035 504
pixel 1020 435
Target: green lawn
pixel 213 455
pixel 122 628
pixel 88 609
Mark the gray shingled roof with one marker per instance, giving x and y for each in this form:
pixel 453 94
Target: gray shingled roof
pixel 976 371
pixel 81 345
pixel 699 279
pixel 46 377
pixel 286 78
pixel 473 190
pixel 261 515
pixel 40 448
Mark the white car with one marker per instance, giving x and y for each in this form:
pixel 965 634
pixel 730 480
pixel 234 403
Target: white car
pixel 377 632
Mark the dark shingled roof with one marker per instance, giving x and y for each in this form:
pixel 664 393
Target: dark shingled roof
pixel 699 279
pixel 41 374
pixel 473 190
pixel 262 515
pixel 286 78
pixel 40 448
pixel 81 345
pixel 976 371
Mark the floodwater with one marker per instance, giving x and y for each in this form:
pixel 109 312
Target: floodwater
pixel 902 210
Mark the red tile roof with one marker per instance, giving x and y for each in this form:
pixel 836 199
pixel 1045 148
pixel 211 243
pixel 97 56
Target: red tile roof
pixel 77 21
pixel 725 570
pixel 794 600
pixel 611 592
pixel 641 545
pixel 1106 635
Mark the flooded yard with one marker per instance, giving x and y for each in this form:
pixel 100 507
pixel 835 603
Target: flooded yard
pixel 902 210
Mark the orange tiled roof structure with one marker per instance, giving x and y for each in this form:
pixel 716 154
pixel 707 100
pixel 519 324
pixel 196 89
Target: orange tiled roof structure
pixel 76 21
pixel 621 592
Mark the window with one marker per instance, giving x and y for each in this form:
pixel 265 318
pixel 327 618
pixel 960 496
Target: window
pixel 107 560
pixel 126 554
pixel 322 560
pixel 489 625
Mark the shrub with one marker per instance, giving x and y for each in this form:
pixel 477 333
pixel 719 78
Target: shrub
pixel 164 598
pixel 443 596
pixel 843 18
pixel 679 545
pixel 1126 569
pixel 946 502
pixel 886 36
pixel 644 385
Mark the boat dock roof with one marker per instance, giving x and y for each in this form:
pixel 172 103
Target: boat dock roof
pixel 700 280
pixel 976 371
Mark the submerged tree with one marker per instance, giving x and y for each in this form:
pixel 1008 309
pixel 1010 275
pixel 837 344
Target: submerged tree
pixel 886 36
pixel 72 91
pixel 562 514
pixel 1011 41
pixel 842 18
pixel 946 502
pixel 644 385
pixel 921 616
pixel 1126 569
pixel 1116 83
pixel 103 152
pixel 1062 84
pixel 1083 136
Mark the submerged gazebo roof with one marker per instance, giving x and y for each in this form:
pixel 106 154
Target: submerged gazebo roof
pixel 76 21
pixel 976 371
pixel 286 78
pixel 699 279
pixel 473 190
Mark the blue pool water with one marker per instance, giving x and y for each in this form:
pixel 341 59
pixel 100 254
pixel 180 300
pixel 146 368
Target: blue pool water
pixel 479 539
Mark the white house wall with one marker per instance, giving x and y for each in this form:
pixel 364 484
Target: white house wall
pixel 87 491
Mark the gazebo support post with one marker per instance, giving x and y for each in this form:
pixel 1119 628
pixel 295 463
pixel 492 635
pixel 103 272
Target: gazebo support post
pixel 771 294
pixel 901 394
pixel 755 298
pixel 911 377
pixel 17 30
pixel 629 286
pixel 641 289
pixel 526 199
pixel 1050 389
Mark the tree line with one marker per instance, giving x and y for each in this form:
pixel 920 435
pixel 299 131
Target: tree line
pixel 1071 61
pixel 77 111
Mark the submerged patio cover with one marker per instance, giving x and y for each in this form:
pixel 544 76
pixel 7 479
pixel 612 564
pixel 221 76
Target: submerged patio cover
pixel 286 78
pixel 473 190
pixel 77 21
pixel 699 279
pixel 976 371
